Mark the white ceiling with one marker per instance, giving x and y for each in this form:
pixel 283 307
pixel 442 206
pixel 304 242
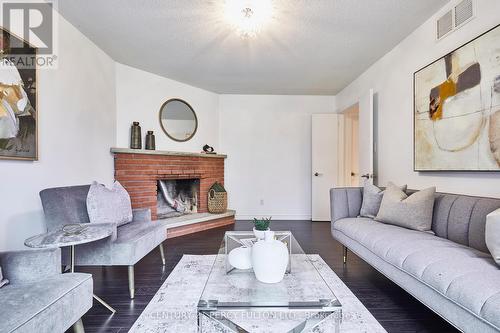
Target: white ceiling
pixel 314 47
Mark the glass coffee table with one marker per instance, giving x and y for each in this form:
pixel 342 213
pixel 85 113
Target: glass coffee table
pixel 234 301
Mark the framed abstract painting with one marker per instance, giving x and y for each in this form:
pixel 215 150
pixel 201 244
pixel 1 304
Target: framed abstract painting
pixel 18 99
pixel 457 109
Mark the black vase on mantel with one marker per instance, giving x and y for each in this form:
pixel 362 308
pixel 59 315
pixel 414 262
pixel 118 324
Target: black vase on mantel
pixel 150 141
pixel 135 136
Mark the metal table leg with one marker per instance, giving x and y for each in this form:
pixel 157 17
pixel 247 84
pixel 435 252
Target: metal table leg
pixel 72 258
pixel 97 298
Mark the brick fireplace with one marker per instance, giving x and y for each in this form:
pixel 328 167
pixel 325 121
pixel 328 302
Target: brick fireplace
pixel 139 171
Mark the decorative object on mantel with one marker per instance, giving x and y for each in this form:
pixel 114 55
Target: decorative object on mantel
pixel 217 199
pixel 135 136
pixel 18 99
pixel 150 141
pixel 178 120
pixel 208 149
pixel 457 109
pixel 261 226
pixel 269 259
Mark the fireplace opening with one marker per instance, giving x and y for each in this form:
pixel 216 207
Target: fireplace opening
pixel 177 197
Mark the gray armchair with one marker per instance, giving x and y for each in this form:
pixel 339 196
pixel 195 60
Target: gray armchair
pixel 129 244
pixel 39 298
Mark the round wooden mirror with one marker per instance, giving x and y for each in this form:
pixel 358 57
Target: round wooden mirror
pixel 178 120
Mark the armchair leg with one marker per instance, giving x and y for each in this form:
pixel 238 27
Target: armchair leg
pixel 345 255
pixel 162 253
pixel 78 326
pixel 131 282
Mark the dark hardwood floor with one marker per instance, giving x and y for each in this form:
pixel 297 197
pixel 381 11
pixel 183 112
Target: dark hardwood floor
pixel 395 309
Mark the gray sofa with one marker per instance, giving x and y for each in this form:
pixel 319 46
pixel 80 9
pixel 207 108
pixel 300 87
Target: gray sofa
pixel 450 272
pixel 129 243
pixel 39 298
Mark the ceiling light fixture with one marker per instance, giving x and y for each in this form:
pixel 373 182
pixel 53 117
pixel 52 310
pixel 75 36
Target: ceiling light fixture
pixel 248 17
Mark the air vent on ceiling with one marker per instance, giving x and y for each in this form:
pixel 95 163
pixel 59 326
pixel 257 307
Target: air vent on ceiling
pixel 455 18
pixel 445 25
pixel 464 11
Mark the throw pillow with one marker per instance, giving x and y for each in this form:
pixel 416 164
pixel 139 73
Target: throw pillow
pixel 412 212
pixel 3 281
pixel 493 234
pixel 372 198
pixel 109 205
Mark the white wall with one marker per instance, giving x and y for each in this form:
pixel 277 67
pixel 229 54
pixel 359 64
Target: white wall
pixel 76 105
pixel 268 142
pixel 139 96
pixel 392 80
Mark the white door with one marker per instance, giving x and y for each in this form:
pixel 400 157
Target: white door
pixel 327 153
pixel 366 146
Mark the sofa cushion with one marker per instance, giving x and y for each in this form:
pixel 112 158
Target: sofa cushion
pixel 492 234
pixel 137 239
pixel 413 212
pixel 58 301
pixel 372 198
pixel 376 235
pixel 466 276
pixel 109 205
pixel 433 254
pixel 490 310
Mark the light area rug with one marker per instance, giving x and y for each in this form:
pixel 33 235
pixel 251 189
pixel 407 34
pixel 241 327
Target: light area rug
pixel 173 308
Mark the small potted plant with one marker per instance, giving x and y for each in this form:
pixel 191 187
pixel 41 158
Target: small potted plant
pixel 260 226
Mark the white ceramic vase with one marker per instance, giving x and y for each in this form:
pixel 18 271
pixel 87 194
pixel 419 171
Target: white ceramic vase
pixel 240 257
pixel 269 259
pixel 260 234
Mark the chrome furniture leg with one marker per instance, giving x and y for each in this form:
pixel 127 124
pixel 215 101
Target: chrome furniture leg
pixel 72 264
pixel 78 326
pixel 162 253
pixel 72 258
pixel 131 282
pixel 106 305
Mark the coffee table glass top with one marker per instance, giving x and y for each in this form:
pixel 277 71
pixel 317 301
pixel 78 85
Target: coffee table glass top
pixel 302 287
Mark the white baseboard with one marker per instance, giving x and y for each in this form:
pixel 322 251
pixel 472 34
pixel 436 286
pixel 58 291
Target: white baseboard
pixel 276 217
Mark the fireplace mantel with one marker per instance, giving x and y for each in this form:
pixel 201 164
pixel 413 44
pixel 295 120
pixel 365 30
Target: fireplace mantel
pixel 164 153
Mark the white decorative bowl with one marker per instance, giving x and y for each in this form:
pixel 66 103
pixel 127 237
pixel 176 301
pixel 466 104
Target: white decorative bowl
pixel 240 257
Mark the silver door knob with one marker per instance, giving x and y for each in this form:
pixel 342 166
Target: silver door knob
pixel 317 174
pixel 367 176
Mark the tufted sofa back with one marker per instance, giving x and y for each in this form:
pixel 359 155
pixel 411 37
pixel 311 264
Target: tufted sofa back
pixel 459 218
pixel 462 218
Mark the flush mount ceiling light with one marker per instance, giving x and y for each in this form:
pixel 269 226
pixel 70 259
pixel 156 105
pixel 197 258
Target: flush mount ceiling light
pixel 248 17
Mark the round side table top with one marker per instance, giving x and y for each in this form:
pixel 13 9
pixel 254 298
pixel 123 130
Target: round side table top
pixel 60 238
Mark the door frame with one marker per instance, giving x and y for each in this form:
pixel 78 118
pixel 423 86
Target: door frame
pixel 338 173
pixel 348 120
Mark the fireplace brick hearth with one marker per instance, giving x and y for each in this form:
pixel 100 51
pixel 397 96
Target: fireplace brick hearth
pixel 139 170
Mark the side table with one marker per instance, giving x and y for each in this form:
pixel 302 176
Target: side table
pixel 59 238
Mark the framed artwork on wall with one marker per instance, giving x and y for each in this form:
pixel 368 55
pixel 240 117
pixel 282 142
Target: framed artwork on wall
pixel 18 99
pixel 457 109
